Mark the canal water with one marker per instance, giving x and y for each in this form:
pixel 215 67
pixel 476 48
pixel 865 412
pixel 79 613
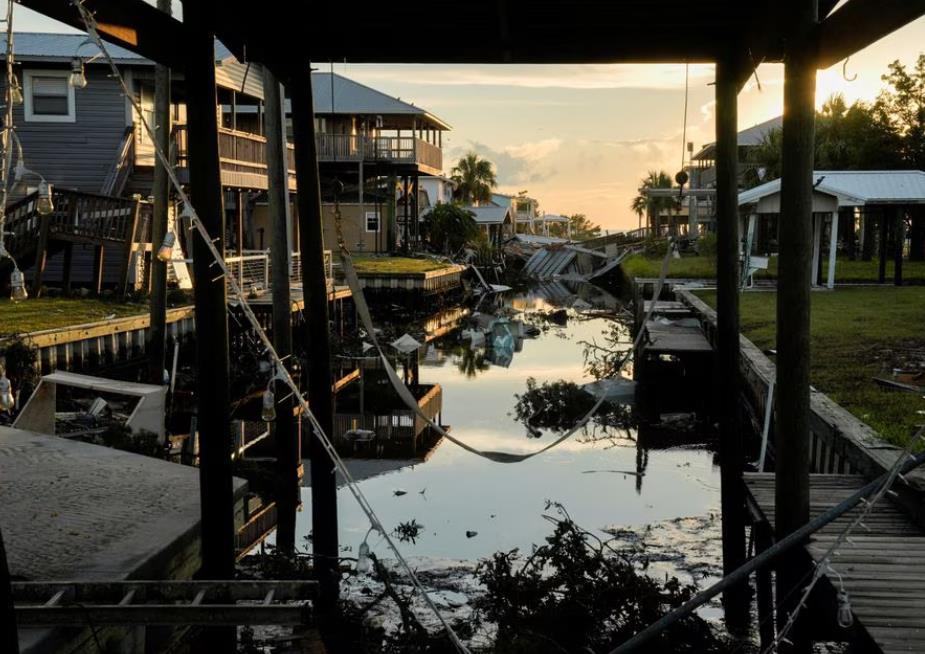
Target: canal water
pixel 471 507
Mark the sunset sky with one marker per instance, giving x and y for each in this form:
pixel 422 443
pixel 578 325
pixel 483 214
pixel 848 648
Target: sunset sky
pixel 578 138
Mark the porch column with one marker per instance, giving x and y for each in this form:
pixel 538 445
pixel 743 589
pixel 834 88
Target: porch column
pixel 899 240
pixel 316 339
pixel 833 250
pixel 286 436
pixel 817 248
pixel 157 333
pixel 212 356
pixel 727 335
pixel 793 302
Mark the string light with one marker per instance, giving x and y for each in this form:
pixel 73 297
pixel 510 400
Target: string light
pixel 18 291
pixel 44 205
pixel 78 78
pixel 268 413
pixel 165 251
pixel 7 401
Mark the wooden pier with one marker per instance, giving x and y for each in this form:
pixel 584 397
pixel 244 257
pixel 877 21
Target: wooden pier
pixel 881 568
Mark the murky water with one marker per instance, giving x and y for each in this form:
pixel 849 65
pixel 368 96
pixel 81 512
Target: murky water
pixel 600 475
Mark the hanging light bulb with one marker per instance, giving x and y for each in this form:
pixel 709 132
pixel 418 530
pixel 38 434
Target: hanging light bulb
pixel 16 92
pixel 269 404
pixel 845 617
pixel 18 291
pixel 364 565
pixel 165 252
pixel 7 401
pixel 44 206
pixel 77 79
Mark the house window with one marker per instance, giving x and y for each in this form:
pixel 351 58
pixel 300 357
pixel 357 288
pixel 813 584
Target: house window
pixel 49 98
pixel 372 221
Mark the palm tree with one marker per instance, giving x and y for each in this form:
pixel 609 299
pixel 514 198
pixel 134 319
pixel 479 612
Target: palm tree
pixel 474 178
pixel 653 206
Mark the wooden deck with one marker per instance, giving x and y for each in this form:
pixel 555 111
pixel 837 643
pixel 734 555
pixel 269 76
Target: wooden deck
pixel 883 569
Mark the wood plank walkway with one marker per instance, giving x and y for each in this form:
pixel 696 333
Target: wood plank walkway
pixel 883 569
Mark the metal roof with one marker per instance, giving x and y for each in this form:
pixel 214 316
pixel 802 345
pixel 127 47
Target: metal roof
pixel 51 46
pixel 856 187
pixel 351 97
pixel 751 136
pixel 489 214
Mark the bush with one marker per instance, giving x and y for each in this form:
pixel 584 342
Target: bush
pixel 449 228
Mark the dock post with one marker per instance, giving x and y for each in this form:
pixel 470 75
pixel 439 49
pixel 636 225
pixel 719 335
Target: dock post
pixel 286 437
pixel 316 338
pixel 793 304
pixel 735 600
pixel 212 357
pixel 157 334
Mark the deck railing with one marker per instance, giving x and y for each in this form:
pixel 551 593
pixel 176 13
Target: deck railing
pixel 246 152
pixel 254 270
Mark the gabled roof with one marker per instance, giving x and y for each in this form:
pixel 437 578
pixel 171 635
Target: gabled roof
pixel 490 214
pixel 749 137
pixel 855 188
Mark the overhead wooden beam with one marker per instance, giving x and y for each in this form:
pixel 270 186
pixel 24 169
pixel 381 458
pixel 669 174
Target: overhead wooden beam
pixel 132 24
pixel 859 23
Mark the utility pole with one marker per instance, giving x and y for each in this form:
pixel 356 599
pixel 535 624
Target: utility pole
pixel 157 331
pixel 793 303
pixel 285 435
pixel 316 338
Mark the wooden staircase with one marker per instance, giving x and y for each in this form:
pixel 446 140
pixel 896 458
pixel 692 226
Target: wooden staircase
pixel 77 218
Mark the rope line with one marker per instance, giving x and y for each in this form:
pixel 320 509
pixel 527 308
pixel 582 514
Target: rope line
pixel 280 373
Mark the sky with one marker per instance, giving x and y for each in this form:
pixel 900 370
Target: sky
pixel 579 138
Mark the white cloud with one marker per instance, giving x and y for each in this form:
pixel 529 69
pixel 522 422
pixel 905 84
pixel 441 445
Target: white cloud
pixel 534 151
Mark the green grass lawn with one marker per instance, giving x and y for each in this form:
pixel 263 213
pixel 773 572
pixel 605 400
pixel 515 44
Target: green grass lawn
pixel 856 334
pixel 398 265
pixel 37 314
pixel 696 267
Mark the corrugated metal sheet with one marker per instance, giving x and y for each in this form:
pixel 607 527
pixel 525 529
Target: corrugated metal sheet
pixel 856 187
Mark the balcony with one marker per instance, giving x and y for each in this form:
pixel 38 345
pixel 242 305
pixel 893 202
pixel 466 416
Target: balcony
pixel 244 163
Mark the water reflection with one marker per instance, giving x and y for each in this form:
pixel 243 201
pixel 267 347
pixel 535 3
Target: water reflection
pixel 609 474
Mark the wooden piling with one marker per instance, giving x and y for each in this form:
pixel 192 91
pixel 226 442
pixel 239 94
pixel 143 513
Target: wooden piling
pixel 727 338
pixel 316 339
pixel 899 240
pixel 285 436
pixel 212 357
pixel 793 301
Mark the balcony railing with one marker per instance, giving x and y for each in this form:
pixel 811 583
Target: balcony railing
pixel 253 269
pixel 245 153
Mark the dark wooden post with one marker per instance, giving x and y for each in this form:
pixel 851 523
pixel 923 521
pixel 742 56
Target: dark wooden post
pixel 793 300
pixel 157 334
pixel 9 635
pixel 125 268
pixel 727 335
pixel 286 436
pixel 316 338
pixel 899 240
pixel 41 256
pixel 212 358
pixel 99 260
pixel 68 262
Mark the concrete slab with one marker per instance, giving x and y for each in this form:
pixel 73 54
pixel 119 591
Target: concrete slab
pixel 72 510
